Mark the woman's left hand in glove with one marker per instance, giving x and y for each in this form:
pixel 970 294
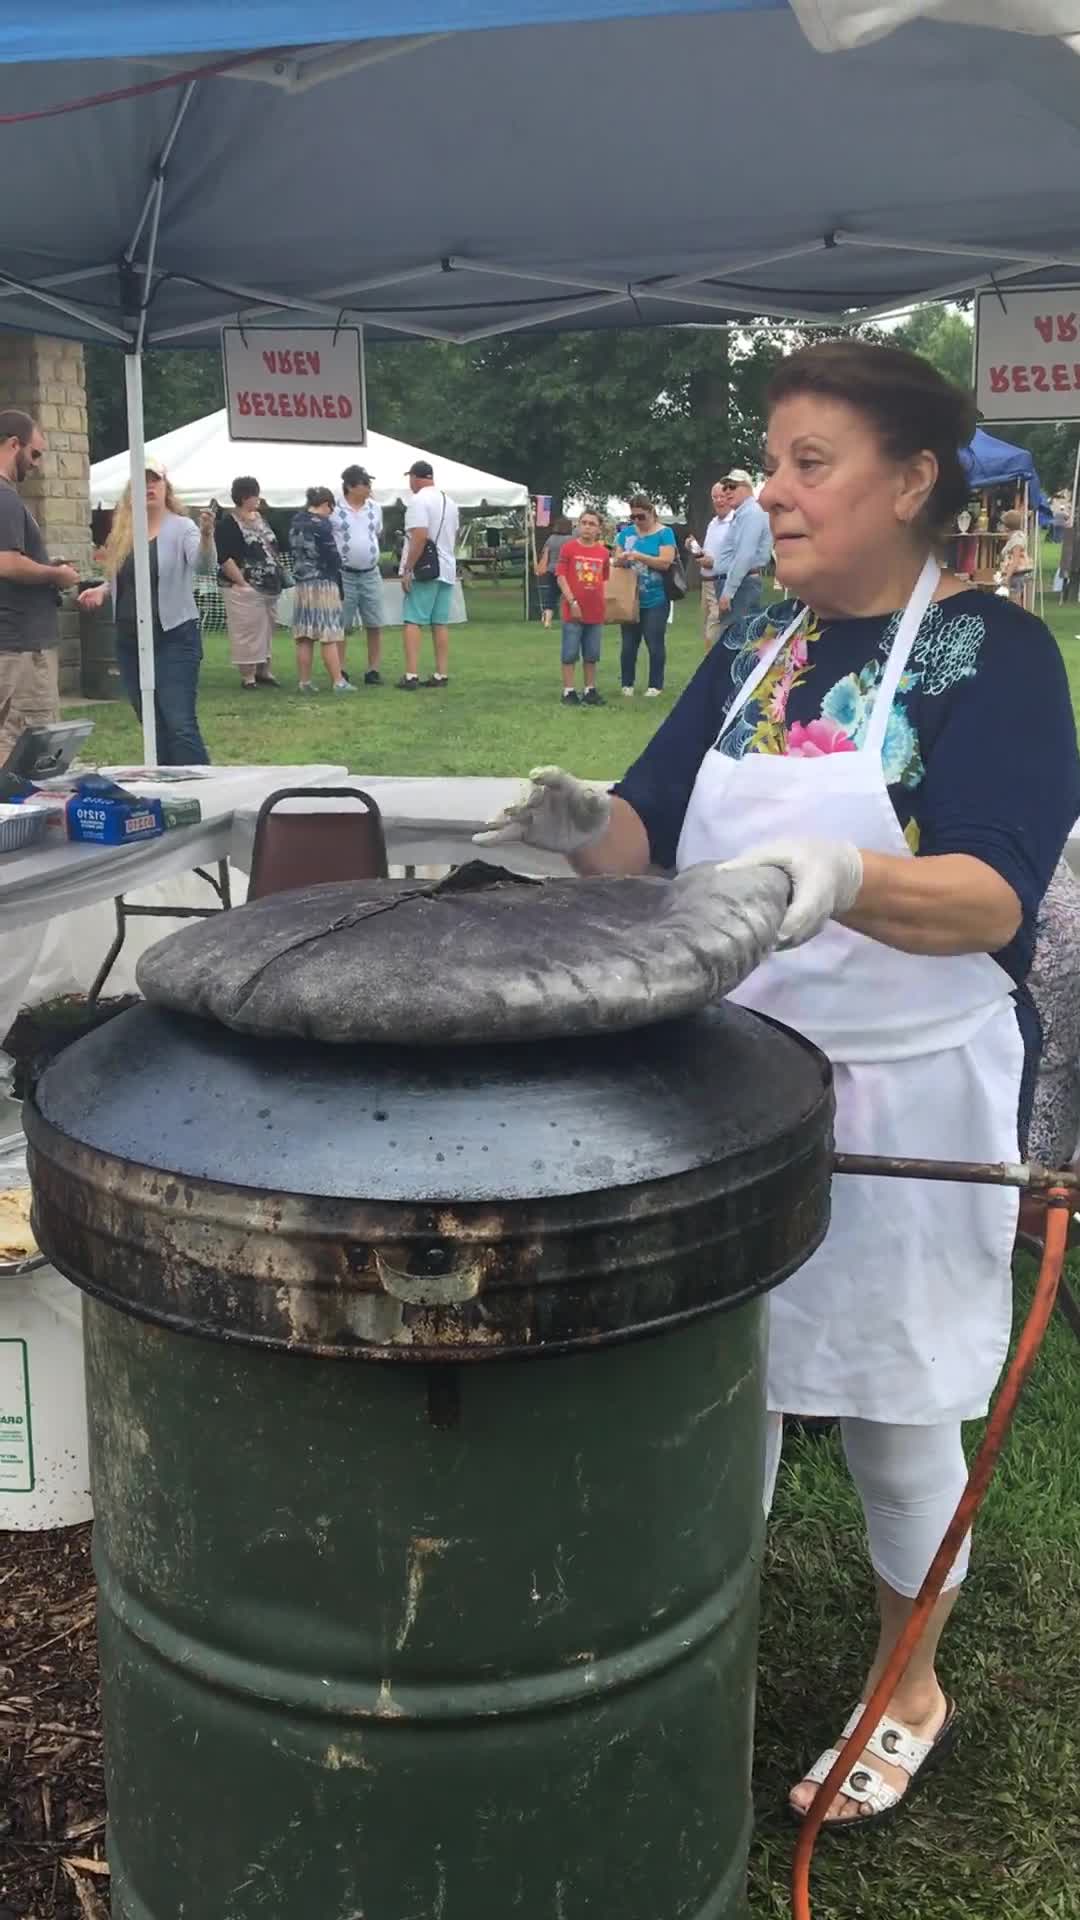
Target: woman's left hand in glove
pixel 826 877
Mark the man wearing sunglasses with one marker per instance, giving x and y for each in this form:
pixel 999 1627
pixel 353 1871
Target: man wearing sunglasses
pixel 747 553
pixel 30 585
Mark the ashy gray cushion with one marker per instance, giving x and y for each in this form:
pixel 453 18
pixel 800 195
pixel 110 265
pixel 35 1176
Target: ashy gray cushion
pixel 483 956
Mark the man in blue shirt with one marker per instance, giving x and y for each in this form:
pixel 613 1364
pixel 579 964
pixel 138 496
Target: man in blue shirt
pixel 746 555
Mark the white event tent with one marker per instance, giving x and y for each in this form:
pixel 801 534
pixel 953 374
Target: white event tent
pixel 202 463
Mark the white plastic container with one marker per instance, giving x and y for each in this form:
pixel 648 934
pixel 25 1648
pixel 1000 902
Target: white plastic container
pixel 44 1465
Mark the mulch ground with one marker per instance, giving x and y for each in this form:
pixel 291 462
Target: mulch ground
pixel 52 1794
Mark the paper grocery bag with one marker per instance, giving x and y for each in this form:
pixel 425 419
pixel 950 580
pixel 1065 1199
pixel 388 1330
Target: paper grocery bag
pixel 621 595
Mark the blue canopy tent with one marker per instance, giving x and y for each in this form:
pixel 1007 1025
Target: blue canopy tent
pixel 131 135
pixel 993 463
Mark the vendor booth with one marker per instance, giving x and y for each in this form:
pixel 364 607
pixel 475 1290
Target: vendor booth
pixel 1002 477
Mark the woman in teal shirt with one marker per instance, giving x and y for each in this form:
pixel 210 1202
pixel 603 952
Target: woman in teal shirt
pixel 649 548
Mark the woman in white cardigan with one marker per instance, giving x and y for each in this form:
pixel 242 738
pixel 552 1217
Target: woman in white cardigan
pixel 178 551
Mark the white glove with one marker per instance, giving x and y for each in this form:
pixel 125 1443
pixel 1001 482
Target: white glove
pixel 559 813
pixel 826 878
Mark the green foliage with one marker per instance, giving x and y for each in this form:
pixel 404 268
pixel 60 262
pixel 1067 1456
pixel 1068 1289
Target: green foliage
pixel 592 413
pixel 178 385
pixel 943 335
pixel 664 409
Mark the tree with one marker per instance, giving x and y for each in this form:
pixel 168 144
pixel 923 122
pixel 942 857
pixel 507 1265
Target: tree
pixel 944 336
pixel 663 409
pixel 178 385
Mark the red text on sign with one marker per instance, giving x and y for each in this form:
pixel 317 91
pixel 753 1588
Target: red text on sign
pixel 1058 378
pixel 302 364
pixel 1056 326
pixel 294 406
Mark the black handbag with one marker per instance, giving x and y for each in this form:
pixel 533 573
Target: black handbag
pixel 427 564
pixel 674 578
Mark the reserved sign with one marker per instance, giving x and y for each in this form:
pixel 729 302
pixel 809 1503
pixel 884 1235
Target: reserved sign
pixel 1027 354
pixel 295 383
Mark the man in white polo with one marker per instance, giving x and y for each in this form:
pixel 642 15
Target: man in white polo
pixel 357 523
pixel 710 556
pixel 431 529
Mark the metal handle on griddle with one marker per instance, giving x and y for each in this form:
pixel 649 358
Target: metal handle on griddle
pixel 442 1285
pixel 1031 1176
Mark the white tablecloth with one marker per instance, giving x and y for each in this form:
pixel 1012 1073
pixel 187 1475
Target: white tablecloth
pixel 56 910
pixel 429 822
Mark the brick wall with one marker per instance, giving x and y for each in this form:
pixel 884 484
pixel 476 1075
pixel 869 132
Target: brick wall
pixel 47 378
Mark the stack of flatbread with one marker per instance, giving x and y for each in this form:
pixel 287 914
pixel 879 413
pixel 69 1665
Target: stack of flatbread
pixel 16 1234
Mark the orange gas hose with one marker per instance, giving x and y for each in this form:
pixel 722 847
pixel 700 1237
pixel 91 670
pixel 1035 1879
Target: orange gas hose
pixel 1059 1205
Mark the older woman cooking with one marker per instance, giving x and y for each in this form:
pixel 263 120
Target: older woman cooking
pixel 903 747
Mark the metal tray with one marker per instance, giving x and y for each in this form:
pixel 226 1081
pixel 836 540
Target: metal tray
pixel 22 827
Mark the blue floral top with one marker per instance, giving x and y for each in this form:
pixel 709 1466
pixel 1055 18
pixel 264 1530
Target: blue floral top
pixel 980 751
pixel 313 549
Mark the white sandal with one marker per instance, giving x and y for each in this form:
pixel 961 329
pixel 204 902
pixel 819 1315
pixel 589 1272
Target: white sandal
pixel 899 1747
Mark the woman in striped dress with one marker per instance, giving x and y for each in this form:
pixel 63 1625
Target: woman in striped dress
pixel 318 598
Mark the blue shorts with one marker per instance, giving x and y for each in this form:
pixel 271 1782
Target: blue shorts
pixel 581 640
pixel 427 603
pixel 363 598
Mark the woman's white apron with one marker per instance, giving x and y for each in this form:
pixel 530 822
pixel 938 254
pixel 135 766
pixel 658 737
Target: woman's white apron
pixel 904 1313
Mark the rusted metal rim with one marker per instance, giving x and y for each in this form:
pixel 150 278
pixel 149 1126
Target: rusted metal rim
pixel 433 1282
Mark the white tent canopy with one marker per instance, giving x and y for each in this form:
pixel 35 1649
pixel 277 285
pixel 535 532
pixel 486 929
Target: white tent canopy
pixel 833 24
pixel 202 462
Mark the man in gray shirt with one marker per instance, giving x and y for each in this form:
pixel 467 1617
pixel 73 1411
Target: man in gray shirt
pixel 30 585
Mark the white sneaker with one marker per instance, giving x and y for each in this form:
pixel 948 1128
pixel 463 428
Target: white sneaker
pixel 344 686
pixel 652 693
pixel 628 693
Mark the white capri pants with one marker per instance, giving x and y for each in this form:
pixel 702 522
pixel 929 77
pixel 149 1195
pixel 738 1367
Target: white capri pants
pixel 909 1480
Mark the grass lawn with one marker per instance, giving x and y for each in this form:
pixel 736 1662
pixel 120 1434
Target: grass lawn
pixel 997 1835
pixel 499 715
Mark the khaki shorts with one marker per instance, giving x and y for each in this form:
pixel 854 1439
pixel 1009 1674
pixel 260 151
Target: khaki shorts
pixel 31 682
pixel 710 613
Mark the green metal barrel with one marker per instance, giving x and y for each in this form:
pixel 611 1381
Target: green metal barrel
pixel 428 1529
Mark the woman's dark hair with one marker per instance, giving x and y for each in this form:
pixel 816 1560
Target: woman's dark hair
pixel 640 500
pixel 911 406
pixel 244 488
pixel 319 497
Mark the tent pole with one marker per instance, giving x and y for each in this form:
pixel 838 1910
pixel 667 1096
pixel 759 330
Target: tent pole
pixel 530 553
pixel 1069 578
pixel 141 552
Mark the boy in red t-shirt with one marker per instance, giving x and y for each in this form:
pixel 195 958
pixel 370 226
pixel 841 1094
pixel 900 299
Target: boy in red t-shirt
pixel 582 569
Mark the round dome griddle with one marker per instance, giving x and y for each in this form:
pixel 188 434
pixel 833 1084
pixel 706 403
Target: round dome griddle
pixel 485 956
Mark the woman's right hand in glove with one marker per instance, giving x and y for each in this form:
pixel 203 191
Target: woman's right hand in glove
pixel 559 814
